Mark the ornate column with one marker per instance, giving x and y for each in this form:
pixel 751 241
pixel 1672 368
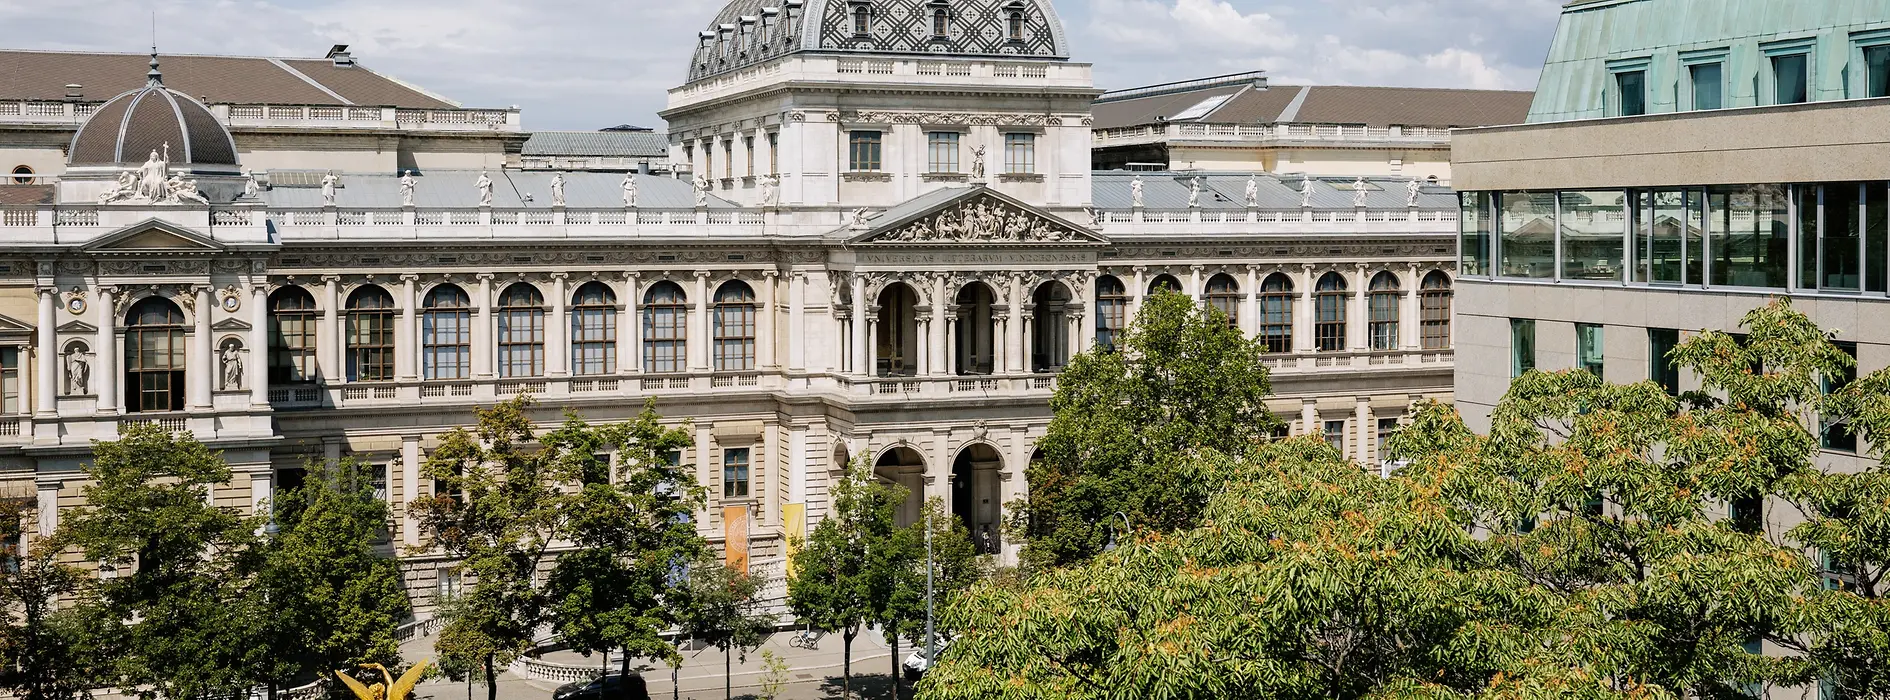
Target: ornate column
pixel 331 341
pixel 259 346
pixel 482 330
pixel 46 365
pixel 1410 331
pixel 871 318
pixel 410 488
pixel 764 326
pixel 923 320
pixel 1362 414
pixel 1073 322
pixel 1250 321
pixel 558 330
pixel 203 357
pixel 1309 417
pixel 699 347
pixel 1303 316
pixel 630 348
pixel 407 331
pixel 859 352
pixel 1136 292
pixel 950 359
pixel 936 333
pixel 797 323
pixel 1357 319
pixel 1194 283
pixel 105 351
pixel 1026 337
pixel 1014 331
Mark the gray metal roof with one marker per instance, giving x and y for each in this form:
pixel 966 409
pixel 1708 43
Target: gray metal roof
pixel 1225 190
pixel 448 189
pixel 628 144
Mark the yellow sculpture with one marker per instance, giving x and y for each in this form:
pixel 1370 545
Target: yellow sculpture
pixel 392 689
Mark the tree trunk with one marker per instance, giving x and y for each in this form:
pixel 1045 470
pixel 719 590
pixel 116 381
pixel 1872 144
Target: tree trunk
pixel 492 679
pixel 846 667
pixel 728 674
pixel 623 672
pixel 894 638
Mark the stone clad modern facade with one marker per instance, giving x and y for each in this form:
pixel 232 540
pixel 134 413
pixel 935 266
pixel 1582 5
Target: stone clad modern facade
pixel 869 250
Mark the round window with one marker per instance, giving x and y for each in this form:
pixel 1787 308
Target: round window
pixel 22 175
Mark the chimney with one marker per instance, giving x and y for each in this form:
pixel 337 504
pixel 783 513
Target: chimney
pixel 339 54
pixel 74 92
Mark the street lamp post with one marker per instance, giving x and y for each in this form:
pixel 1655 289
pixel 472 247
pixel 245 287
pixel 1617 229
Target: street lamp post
pixel 931 643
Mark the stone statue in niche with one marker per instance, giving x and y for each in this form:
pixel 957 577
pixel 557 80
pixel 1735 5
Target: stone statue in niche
pixel 557 189
pixel 768 192
pixel 629 190
pixel 406 188
pixel 232 364
pixel 78 372
pixel 329 180
pixel 977 162
pixel 484 183
pixel 1135 192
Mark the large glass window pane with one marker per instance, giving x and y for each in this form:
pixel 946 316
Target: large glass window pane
pixel 1670 220
pixel 1750 228
pixel 1838 435
pixel 1522 346
pixel 1641 214
pixel 1695 230
pixel 1663 370
pixel 1877 71
pixel 1788 79
pixel 1528 229
pixel 1588 348
pixel 1875 254
pixel 1474 227
pixel 1632 86
pixel 1707 86
pixel 1594 230
pixel 1841 243
pixel 1806 203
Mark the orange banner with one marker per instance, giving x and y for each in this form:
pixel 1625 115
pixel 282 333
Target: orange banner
pixel 735 536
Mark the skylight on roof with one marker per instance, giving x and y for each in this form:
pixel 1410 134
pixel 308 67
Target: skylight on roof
pixel 1201 109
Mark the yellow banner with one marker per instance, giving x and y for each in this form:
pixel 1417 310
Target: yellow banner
pixel 735 536
pixel 793 530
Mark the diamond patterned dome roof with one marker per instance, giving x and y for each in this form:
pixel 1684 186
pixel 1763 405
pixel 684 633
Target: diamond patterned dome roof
pixel 154 118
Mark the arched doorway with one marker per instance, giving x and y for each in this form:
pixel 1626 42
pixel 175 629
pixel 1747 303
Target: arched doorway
pixel 976 500
pixel 1049 331
pixel 904 466
pixel 897 339
pixel 974 348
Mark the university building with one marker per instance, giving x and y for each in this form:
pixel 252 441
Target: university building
pixel 882 240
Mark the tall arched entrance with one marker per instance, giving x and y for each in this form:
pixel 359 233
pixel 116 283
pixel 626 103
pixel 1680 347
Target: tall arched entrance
pixel 976 499
pixel 897 338
pixel 904 466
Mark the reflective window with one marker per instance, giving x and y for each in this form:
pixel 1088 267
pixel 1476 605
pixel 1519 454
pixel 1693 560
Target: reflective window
pixel 1632 88
pixel 521 317
pixel 665 320
pixel 1662 369
pixel 1589 349
pixel 1112 311
pixel 593 330
pixel 1789 78
pixel 734 327
pixel 1842 245
pixel 1522 346
pixel 735 473
pixel 1383 308
pixel 446 334
pixel 1276 313
pixel 1020 153
pixel 1838 435
pixel 292 324
pixel 1594 234
pixel 1223 295
pixel 1434 298
pixel 1528 235
pixel 1329 298
pixel 1474 226
pixel 1749 228
pixel 1708 85
pixel 154 356
pixel 1668 225
pixel 941 151
pixel 863 150
pixel 370 335
pixel 1877 71
pixel 1805 203
pixel 1875 253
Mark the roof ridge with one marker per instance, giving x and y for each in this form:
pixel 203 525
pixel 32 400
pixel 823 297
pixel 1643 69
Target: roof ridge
pixel 167 55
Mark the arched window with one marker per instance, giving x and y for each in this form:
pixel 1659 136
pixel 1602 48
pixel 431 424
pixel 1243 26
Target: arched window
pixel 1434 309
pixel 941 23
pixel 1276 313
pixel 898 335
pixel 1162 282
pixel 862 20
pixel 370 335
pixel 1223 294
pixel 1016 23
pixel 292 323
pixel 1383 302
pixel 154 356
pixel 665 324
pixel 446 333
pixel 594 330
pixel 1329 313
pixel 1112 311
pixel 1049 332
pixel 521 331
pixel 975 346
pixel 734 327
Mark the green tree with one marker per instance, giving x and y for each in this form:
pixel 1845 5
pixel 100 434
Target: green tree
pixel 38 656
pixel 724 611
pixel 955 566
pixel 498 507
pixel 171 618
pixel 1126 420
pixel 619 589
pixel 330 601
pixel 844 573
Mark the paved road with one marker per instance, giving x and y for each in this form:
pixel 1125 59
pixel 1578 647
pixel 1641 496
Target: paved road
pixel 814 674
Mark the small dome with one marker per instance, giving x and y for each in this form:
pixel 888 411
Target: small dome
pixel 747 32
pixel 129 127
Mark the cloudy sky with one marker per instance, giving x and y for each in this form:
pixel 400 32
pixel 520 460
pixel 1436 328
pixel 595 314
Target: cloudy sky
pixel 587 64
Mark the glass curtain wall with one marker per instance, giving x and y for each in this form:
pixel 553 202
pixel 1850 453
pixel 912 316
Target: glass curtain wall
pixel 1474 233
pixel 1527 245
pixel 1841 246
pixel 1749 231
pixel 1593 224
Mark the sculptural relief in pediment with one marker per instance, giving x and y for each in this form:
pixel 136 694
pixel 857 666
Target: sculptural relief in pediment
pixel 984 220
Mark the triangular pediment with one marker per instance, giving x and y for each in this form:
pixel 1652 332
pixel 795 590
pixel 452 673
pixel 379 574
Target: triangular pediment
pixel 12 327
pixel 76 326
pixel 971 215
pixel 153 236
pixel 229 324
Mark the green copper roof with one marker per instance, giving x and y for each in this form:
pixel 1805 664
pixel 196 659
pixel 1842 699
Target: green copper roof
pixel 1597 38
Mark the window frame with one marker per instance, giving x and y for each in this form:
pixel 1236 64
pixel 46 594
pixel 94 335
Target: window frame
pixel 1275 324
pixel 1434 310
pixel 1770 53
pixel 1112 311
pixel 1522 332
pixel 1383 309
pixel 593 330
pixel 865 150
pixel 668 312
pixel 1020 153
pixel 294 363
pixel 942 157
pixel 519 332
pixel 451 340
pixel 370 354
pixel 735 313
pixel 736 474
pixel 23 174
pixel 1222 293
pixel 1329 313
pixel 1591 349
pixel 157 386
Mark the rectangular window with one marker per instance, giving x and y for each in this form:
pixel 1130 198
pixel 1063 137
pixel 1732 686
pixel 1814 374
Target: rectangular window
pixel 1335 435
pixel 1876 252
pixel 1708 85
pixel 1877 71
pixel 728 158
pixel 1387 428
pixel 1841 245
pixel 1588 348
pixel 1670 223
pixel 664 338
pixel 1329 321
pixel 1806 203
pixel 1749 231
pixel 774 152
pixel 1747 514
pixel 1527 247
pixel 371 345
pixel 10 380
pixel 292 346
pixel 1837 435
pixel 1661 369
pixel 1020 153
pixel 448 344
pixel 1522 346
pixel 449 582
pixel 748 152
pixel 1632 88
pixel 1594 234
pixel 1384 319
pixel 1790 76
pixel 735 473
pixel 863 150
pixel 941 152
pixel 1474 233
pixel 593 340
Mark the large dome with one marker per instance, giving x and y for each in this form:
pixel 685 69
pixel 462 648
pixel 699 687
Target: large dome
pixel 153 118
pixel 747 32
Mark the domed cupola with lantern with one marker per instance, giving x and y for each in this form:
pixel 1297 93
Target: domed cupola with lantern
pixel 153 146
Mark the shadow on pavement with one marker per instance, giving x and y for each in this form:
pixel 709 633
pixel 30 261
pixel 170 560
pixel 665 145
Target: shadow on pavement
pixel 865 687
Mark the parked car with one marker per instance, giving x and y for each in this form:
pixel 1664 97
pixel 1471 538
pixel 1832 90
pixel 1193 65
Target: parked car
pixel 610 687
pixel 918 663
